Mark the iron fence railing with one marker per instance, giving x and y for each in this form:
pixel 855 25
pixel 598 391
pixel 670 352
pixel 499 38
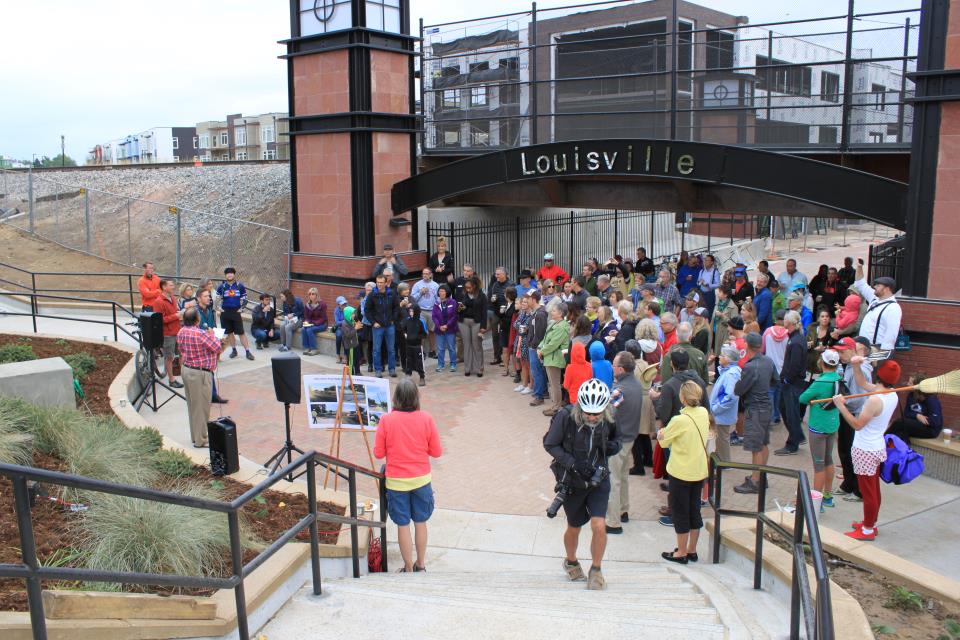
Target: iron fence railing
pixel 888 259
pixel 129 231
pixel 836 82
pixel 30 570
pixel 817 616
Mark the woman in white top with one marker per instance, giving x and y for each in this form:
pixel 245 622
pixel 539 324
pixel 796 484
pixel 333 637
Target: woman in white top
pixel 869 447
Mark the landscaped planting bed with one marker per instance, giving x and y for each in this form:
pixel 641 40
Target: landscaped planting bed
pixel 84 529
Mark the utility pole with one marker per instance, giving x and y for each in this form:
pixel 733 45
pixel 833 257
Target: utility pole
pixel 63 155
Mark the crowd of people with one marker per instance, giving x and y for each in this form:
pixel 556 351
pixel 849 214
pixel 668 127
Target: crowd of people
pixel 676 363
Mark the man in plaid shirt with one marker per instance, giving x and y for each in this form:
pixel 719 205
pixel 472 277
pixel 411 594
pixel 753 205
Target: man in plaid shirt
pixel 199 352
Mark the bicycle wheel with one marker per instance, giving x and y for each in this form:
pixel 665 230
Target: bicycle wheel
pixel 143 363
pixel 159 367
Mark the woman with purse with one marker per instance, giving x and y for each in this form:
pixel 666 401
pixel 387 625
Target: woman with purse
pixel 686 435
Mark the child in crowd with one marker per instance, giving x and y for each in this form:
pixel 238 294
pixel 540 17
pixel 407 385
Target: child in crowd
pixel 337 321
pixel 602 369
pixel 824 421
pixel 350 339
pixel 415 330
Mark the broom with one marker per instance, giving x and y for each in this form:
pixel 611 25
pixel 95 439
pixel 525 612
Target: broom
pixel 948 383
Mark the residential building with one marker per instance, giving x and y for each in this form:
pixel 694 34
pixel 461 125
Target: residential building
pixel 156 145
pixel 609 73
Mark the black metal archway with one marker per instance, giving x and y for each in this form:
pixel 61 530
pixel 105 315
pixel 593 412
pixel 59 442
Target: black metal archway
pixel 659 174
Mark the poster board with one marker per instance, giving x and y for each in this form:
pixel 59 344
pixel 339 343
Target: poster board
pixel 324 392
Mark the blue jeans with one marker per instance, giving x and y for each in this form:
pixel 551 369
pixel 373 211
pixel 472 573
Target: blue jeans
pixel 260 335
pixel 339 340
pixel 539 374
pixel 380 335
pixel 775 401
pixel 792 413
pixel 447 341
pixel 309 335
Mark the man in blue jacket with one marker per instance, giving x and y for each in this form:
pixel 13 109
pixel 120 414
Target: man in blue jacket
pixel 763 301
pixel 233 297
pixel 723 398
pixel 382 309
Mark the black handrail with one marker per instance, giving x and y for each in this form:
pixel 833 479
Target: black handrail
pixel 31 571
pixel 818 618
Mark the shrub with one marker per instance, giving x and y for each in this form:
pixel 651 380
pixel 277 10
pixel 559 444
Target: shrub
pixel 16 353
pixel 151 439
pixel 103 448
pixel 82 364
pixel 173 463
pixel 15 445
pixel 905 599
pixel 125 534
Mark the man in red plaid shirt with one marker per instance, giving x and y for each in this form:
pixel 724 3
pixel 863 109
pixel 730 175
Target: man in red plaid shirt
pixel 199 352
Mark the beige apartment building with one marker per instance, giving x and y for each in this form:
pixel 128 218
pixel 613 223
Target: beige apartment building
pixel 239 137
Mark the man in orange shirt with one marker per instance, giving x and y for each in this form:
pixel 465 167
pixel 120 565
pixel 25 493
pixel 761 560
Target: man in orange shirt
pixel 551 271
pixel 166 304
pixel 149 286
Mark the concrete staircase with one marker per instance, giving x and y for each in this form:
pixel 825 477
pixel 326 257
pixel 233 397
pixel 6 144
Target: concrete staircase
pixel 642 600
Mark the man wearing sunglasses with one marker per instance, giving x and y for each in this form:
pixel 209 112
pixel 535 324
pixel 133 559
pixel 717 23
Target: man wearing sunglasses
pixel 551 271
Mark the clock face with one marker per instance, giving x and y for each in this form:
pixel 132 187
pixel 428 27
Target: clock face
pixel 720 92
pixel 323 10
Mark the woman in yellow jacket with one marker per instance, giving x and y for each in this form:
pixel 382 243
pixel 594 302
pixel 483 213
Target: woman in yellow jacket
pixel 686 435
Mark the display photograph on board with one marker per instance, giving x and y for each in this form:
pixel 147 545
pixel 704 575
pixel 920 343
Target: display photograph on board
pixel 363 403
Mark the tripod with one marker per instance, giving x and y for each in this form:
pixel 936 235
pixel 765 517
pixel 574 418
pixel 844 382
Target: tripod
pixel 149 393
pixel 287 449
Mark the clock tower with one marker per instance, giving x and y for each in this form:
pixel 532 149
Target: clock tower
pixel 352 136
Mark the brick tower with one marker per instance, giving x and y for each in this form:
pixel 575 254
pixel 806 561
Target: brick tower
pixel 352 136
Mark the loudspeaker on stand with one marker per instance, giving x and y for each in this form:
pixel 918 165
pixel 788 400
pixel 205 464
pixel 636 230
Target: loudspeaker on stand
pixel 286 377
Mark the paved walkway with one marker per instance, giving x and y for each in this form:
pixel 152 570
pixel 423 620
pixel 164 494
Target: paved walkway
pixel 494 460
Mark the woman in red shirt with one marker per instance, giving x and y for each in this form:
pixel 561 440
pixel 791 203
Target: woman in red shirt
pixel 407 437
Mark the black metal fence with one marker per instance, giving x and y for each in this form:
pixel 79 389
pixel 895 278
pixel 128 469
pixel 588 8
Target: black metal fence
pixel 888 259
pixel 33 573
pixel 520 242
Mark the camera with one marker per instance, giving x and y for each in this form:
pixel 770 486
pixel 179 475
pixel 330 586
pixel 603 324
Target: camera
pixel 563 491
pixel 599 475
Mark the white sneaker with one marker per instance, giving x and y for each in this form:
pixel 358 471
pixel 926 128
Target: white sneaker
pixel 527 391
pixel 519 387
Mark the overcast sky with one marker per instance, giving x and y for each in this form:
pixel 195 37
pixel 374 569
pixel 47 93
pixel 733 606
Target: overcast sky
pixel 101 69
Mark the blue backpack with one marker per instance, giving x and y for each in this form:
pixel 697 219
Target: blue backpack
pixel 903 464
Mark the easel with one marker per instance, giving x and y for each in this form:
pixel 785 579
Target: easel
pixel 338 429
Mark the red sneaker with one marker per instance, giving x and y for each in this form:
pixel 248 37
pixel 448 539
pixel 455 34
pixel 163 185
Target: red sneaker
pixel 859 525
pixel 858 534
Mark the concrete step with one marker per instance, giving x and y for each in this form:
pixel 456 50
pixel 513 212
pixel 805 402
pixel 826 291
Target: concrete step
pixel 642 600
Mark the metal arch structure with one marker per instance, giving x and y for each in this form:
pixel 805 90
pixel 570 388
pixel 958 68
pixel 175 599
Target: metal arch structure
pixel 665 175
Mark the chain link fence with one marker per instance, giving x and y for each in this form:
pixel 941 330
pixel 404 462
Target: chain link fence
pixel 128 231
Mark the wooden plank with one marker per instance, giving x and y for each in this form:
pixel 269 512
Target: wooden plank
pixel 87 605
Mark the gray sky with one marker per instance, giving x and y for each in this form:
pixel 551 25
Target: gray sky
pixel 101 69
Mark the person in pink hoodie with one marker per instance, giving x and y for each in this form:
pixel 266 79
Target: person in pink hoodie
pixel 407 437
pixel 848 316
pixel 775 347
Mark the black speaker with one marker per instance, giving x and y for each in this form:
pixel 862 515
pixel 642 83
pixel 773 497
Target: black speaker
pixel 151 329
pixel 286 377
pixel 224 453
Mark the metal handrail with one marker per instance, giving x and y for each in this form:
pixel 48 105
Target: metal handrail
pixel 31 571
pixel 818 618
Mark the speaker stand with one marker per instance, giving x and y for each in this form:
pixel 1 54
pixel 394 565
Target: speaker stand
pixel 148 395
pixel 287 449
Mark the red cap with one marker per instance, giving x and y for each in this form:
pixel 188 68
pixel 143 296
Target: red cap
pixel 889 372
pixel 844 344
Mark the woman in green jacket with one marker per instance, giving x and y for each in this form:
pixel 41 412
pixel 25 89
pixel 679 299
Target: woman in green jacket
pixel 824 421
pixel 555 341
pixel 725 309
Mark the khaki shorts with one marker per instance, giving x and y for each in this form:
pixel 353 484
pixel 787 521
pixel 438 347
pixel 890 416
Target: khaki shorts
pixel 756 429
pixel 169 347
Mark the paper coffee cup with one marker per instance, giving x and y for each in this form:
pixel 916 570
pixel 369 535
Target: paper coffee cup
pixel 947 435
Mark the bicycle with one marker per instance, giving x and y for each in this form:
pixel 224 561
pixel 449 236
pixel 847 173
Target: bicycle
pixel 146 359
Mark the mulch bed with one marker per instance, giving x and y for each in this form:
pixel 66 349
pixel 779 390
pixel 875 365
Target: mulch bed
pixel 95 386
pixel 56 528
pixel 874 594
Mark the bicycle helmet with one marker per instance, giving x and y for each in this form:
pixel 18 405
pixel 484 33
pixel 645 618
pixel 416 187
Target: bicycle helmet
pixel 594 395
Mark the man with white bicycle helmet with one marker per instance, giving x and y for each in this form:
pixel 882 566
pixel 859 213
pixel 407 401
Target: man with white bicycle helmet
pixel 580 439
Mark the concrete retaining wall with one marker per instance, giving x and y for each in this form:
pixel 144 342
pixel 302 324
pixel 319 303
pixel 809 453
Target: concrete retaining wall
pixel 47 382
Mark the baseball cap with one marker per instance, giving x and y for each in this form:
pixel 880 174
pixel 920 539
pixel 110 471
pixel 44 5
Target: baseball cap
pixel 693 295
pixel 548 256
pixel 387 247
pixel 731 352
pixel 845 344
pixel 753 340
pixel 341 300
pixel 736 322
pixel 798 286
pixel 703 312
pixel 831 357
pixel 889 372
pixel 886 281
pixel 795 296
pixel 526 274
pixel 739 271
